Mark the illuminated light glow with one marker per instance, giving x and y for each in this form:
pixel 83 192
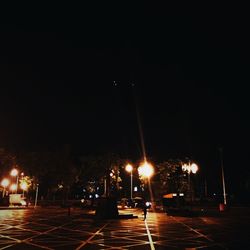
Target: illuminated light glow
pixel 190 168
pixel 135 189
pixel 14 172
pixel 185 167
pixel 146 170
pixel 174 194
pixel 24 186
pixel 129 168
pixel 181 194
pixel 194 168
pixel 148 204
pixel 5 183
pixel 13 187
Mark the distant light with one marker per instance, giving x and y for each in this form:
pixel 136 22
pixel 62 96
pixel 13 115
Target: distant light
pixel 190 168
pixel 146 170
pixel 5 182
pixel 82 200
pixel 129 168
pixel 194 168
pixel 135 189
pixel 24 186
pixel 148 203
pixel 174 194
pixel 14 172
pixel 96 195
pixel 90 196
pixel 181 194
pixel 13 187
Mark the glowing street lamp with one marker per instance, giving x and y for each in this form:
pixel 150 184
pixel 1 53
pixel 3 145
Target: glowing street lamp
pixel 24 186
pixel 129 168
pixel 146 170
pixel 14 173
pixel 5 183
pixel 190 168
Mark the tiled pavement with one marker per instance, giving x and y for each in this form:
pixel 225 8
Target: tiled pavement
pixel 53 229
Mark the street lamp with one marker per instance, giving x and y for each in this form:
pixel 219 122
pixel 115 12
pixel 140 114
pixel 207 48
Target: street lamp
pixel 24 186
pixel 5 183
pixel 14 173
pixel 146 170
pixel 189 168
pixel 129 168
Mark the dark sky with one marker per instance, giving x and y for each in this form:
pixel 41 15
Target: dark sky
pixel 189 70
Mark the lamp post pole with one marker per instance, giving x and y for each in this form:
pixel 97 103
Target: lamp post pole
pixel 5 182
pixel 189 185
pixel 131 182
pixel 223 178
pixel 190 168
pixel 129 168
pixel 37 185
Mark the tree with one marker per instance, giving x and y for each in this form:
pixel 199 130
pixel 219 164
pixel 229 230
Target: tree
pixel 101 169
pixel 171 177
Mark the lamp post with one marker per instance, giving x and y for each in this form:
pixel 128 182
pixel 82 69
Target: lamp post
pixel 146 170
pixel 5 183
pixel 37 185
pixel 223 177
pixel 129 168
pixel 24 186
pixel 190 168
pixel 14 173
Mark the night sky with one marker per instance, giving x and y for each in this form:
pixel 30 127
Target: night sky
pixel 84 76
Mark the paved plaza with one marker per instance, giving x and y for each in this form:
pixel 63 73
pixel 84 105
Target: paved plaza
pixel 54 228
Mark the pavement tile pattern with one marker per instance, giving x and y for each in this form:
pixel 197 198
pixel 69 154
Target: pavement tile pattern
pixel 53 228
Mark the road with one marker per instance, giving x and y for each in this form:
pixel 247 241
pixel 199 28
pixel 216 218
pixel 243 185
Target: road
pixel 54 228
